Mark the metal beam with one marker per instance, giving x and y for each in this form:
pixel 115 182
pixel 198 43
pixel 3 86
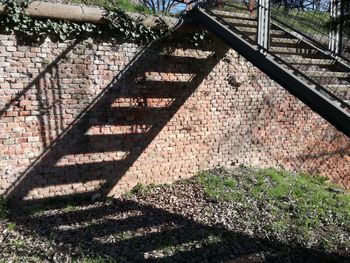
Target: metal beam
pixel 288 79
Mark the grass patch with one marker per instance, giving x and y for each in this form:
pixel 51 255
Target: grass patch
pixel 11 226
pixel 139 189
pixel 303 207
pixel 220 187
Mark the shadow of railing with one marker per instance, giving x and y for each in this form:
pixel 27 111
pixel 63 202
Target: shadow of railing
pixel 94 152
pixel 45 88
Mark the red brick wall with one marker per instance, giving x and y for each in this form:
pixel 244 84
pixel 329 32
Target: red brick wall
pixel 81 118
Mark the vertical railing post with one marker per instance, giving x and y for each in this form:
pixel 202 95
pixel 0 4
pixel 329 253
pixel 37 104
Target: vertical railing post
pixel 335 35
pixel 263 31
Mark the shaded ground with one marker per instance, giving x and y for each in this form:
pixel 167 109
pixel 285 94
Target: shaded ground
pixel 177 223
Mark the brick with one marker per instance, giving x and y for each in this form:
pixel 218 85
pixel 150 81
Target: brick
pixel 168 134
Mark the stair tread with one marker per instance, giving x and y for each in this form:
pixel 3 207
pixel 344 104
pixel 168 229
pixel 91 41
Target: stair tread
pixel 328 74
pixel 294 44
pixel 239 22
pixel 254 30
pixel 284 40
pixel 338 86
pixel 297 48
pixel 221 14
pixel 309 61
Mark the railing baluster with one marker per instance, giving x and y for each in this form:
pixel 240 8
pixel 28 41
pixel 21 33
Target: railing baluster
pixel 263 31
pixel 335 32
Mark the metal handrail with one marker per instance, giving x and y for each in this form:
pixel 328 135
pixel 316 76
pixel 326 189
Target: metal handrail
pixel 334 44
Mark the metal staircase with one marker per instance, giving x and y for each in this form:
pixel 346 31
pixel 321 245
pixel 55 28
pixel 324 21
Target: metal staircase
pixel 314 67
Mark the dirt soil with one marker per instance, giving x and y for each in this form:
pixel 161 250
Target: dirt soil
pixel 176 223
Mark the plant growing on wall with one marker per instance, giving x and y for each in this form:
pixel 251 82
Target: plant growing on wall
pixel 119 25
pixel 122 24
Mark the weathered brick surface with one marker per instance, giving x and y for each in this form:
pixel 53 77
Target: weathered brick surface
pixel 89 117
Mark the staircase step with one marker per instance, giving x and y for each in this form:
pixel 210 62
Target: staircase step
pixel 284 40
pixel 241 22
pixel 225 14
pixel 293 51
pixel 338 87
pixel 288 45
pixel 328 74
pixel 247 29
pixel 296 49
pixel 309 61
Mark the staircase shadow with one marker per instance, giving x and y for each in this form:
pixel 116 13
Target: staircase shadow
pixel 130 231
pixel 99 148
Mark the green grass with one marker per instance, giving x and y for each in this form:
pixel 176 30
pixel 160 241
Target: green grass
pixel 221 188
pixel 299 205
pixel 4 208
pixel 310 22
pixel 70 208
pixel 11 226
pixel 67 204
pixel 122 4
pixel 139 189
pixel 97 259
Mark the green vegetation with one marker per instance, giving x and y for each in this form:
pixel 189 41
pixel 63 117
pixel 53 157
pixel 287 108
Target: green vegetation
pixel 70 208
pixel 97 259
pixel 4 208
pixel 266 213
pixel 139 189
pixel 124 5
pixel 220 188
pixel 119 26
pixel 309 22
pixel 66 204
pixel 301 206
pixel 11 226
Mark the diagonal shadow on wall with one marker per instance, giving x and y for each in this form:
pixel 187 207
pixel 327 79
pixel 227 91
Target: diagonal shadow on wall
pixel 135 106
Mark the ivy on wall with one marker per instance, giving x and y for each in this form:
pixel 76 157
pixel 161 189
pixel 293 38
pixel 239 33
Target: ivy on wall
pixel 123 25
pixel 119 26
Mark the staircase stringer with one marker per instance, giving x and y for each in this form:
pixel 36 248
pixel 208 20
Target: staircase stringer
pixel 308 93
